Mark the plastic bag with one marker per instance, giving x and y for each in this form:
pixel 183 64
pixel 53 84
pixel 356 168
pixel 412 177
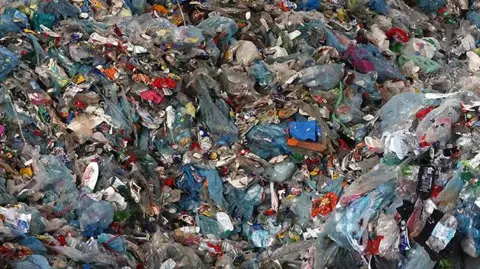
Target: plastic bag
pixel 215 25
pixel 430 5
pixel 365 61
pixel 98 215
pixel 468 217
pixel 396 113
pixel 436 126
pixel 12 21
pixel 5 197
pixel 267 141
pixel 447 199
pixel 8 62
pixel 33 261
pixel 242 202
pixel 62 9
pixel 348 225
pixel 380 174
pixel 418 258
pixel 322 77
pixel 280 172
pixel 426 65
pixel 388 228
pixel 215 186
pixel 261 73
pixel 217 122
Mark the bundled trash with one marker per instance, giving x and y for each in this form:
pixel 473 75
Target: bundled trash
pixel 239 134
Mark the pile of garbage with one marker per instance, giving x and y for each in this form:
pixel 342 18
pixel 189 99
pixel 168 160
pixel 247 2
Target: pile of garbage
pixel 239 134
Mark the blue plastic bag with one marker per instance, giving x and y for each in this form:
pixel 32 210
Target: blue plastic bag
pixel 430 5
pixel 216 119
pixel 12 21
pixel 379 6
pixel 267 140
pixel 33 261
pixel 474 17
pixel 190 183
pixel 243 202
pixel 261 73
pixel 215 186
pixel 8 62
pixel 35 245
pixel 308 4
pixel 468 217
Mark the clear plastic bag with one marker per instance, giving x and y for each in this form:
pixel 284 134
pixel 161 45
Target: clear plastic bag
pixel 436 126
pixel 217 122
pixel 388 228
pixel 347 226
pixel 419 258
pixel 447 199
pixel 322 77
pixel 396 113
pixel 380 174
pixel 280 172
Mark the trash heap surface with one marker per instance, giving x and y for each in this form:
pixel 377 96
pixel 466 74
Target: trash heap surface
pixel 239 134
